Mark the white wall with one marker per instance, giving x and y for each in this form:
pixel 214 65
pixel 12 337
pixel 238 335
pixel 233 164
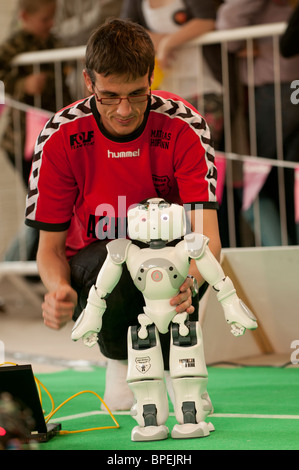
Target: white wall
pixel 268 278
pixel 7 13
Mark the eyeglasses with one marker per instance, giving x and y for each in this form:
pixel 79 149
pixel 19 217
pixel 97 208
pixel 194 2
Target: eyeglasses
pixel 133 99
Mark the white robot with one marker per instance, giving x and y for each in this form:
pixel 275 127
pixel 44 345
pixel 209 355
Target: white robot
pixel 158 272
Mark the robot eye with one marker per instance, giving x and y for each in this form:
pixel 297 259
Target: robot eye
pixel 163 205
pixel 165 217
pixel 143 207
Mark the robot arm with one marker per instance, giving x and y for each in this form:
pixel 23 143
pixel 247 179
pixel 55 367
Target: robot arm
pixel 235 311
pixel 89 323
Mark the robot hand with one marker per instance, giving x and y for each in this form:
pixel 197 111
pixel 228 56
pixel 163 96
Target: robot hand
pixel 89 323
pixel 235 311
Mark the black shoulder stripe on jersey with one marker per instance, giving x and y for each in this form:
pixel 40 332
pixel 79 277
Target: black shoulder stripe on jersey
pixel 83 108
pixel 29 210
pixel 158 103
pixel 187 115
pixel 42 138
pixel 68 115
pixel 51 124
pixel 174 108
pixel 199 125
pixel 178 109
pixel 37 156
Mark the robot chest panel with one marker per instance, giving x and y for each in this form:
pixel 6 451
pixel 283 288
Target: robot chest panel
pixel 159 274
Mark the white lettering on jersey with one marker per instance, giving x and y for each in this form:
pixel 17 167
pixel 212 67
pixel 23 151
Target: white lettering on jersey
pixel 135 153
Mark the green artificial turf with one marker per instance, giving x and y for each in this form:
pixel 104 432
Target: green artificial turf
pixel 264 395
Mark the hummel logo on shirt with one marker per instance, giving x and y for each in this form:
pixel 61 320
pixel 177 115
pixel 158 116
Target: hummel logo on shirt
pixel 135 153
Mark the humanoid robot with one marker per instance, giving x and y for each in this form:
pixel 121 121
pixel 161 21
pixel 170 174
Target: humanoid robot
pixel 158 271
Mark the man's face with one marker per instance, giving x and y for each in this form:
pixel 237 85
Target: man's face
pixel 123 118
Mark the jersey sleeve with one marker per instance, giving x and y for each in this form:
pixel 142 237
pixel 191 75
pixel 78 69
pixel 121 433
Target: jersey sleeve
pixel 195 169
pixel 52 186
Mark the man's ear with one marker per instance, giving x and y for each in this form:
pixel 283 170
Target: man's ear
pixel 151 79
pixel 88 82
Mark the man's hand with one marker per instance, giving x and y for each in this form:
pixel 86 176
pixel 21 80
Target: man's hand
pixel 58 307
pixel 183 301
pixel 35 84
pixel 165 53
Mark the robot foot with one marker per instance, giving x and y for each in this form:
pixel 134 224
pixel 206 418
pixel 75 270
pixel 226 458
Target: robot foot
pixel 190 430
pixel 149 433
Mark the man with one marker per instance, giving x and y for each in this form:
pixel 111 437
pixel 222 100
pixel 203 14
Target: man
pixel 94 160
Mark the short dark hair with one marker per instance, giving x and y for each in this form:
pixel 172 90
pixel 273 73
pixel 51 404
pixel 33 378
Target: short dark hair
pixel 120 47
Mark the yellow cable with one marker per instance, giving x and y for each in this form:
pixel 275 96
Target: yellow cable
pixel 53 411
pixel 84 430
pixel 39 384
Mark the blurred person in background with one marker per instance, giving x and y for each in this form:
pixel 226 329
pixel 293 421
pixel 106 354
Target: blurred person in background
pixel 21 83
pixel 171 24
pixel 242 13
pixel 75 19
pixel 289 41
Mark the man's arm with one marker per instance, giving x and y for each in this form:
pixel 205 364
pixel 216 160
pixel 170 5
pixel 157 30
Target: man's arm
pixel 205 221
pixel 166 44
pixel 237 14
pixel 202 221
pixel 61 299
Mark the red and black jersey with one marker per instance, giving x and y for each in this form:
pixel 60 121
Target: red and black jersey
pixel 83 180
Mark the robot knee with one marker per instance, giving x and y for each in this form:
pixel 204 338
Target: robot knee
pixel 186 350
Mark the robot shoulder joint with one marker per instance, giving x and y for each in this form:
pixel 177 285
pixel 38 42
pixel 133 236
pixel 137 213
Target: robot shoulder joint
pixel 118 250
pixel 196 244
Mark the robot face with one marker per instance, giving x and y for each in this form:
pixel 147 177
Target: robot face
pixel 156 219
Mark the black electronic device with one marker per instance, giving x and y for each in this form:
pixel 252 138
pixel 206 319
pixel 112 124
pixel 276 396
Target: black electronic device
pixel 19 382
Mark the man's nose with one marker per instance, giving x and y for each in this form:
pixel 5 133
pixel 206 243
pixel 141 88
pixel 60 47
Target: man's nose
pixel 124 107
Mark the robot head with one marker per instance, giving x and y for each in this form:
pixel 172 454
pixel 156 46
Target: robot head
pixel 156 219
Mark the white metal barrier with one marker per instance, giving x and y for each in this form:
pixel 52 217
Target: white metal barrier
pixel 75 55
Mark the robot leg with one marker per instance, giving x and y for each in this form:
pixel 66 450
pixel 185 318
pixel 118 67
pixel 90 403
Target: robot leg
pixel 146 380
pixel 189 377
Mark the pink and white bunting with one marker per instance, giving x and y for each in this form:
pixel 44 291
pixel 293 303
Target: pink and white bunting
pixel 220 162
pixel 254 177
pixel 35 121
pixel 2 108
